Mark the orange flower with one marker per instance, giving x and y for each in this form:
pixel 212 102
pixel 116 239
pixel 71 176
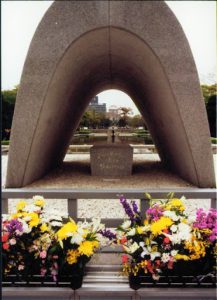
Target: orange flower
pixel 123 240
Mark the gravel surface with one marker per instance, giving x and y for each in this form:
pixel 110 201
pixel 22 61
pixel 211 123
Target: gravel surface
pixel 75 173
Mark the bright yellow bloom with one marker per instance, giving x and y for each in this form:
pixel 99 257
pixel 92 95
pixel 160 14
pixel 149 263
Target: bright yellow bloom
pixel 196 248
pixel 19 215
pixel 66 230
pixel 181 256
pixel 161 224
pixel 39 202
pixel 140 229
pixel 34 219
pixel 44 227
pixel 87 247
pixel 175 203
pixel 72 256
pixel 20 205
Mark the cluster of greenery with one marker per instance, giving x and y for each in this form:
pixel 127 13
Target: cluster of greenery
pixel 93 120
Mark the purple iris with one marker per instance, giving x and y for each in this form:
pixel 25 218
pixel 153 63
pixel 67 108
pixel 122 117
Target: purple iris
pixel 14 225
pixel 108 234
pixel 127 207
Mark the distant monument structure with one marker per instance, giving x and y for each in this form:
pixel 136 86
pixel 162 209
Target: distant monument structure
pixel 96 106
pixel 81 48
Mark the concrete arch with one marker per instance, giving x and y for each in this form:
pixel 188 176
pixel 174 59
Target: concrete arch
pixel 83 47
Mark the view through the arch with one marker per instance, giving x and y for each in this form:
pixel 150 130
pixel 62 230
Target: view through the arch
pixel 112 110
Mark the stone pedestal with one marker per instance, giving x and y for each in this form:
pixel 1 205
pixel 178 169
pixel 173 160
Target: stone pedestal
pixel 111 160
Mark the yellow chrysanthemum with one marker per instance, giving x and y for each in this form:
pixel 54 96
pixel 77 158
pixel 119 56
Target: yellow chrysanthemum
pixel 39 202
pixel 87 247
pixel 72 256
pixel 66 230
pixel 196 248
pixel 182 257
pixel 44 227
pixel 161 224
pixel 19 215
pixel 140 229
pixel 20 205
pixel 34 219
pixel 175 203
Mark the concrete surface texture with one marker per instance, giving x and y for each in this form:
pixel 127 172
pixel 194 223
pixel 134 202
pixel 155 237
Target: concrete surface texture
pixel 81 48
pixel 111 160
pixel 88 208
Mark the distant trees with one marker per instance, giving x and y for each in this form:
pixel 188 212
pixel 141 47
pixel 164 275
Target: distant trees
pixel 8 103
pixel 93 119
pixel 209 94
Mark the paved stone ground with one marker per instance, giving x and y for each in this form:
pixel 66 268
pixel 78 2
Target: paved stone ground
pixel 75 173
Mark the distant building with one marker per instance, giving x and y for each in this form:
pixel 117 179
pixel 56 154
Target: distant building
pixel 113 113
pixel 96 106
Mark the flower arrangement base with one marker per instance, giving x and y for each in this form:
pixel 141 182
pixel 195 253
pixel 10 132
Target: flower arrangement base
pixel 145 281
pixel 73 281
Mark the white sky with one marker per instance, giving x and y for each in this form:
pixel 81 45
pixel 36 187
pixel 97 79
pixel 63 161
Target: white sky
pixel 20 18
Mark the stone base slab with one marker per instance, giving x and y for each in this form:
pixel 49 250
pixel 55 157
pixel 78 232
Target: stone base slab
pixel 111 160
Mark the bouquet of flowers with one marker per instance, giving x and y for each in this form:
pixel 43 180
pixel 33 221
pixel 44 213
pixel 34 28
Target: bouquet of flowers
pixel 167 239
pixel 75 244
pixel 26 239
pixel 35 243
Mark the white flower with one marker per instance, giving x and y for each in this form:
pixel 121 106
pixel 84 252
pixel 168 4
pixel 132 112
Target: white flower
pixel 131 232
pixel 5 217
pixel 173 252
pixel 173 228
pixel 27 218
pixel 38 198
pixel 126 224
pixel 26 228
pixel 56 223
pixel 96 223
pixel 132 248
pixel 154 255
pixel 184 231
pixel 77 239
pixel 165 257
pixel 31 208
pixel 171 214
pixel 174 238
pixel 145 252
pixel 141 244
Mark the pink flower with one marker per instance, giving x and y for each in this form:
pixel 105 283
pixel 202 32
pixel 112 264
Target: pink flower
pixel 43 254
pixel 21 267
pixel 12 242
pixel 43 271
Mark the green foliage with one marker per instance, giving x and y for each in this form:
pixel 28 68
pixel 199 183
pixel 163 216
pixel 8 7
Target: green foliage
pixel 208 90
pixel 214 140
pixel 92 119
pixel 209 94
pixel 5 143
pixel 211 113
pixel 8 103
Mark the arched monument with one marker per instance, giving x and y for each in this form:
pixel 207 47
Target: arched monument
pixel 81 48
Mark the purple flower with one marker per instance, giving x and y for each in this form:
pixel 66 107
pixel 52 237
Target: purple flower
pixel 14 225
pixel 135 207
pixel 127 208
pixel 207 221
pixel 108 234
pixel 154 212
